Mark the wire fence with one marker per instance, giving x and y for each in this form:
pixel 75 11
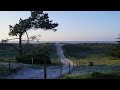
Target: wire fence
pixel 63 68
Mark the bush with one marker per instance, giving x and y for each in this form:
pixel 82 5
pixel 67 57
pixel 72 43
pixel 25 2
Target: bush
pixel 91 63
pixel 37 59
pixel 97 75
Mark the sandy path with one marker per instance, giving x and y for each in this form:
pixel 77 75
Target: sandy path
pixel 64 60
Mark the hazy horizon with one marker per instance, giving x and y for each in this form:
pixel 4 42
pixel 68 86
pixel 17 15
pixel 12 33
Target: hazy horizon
pixel 70 42
pixel 73 25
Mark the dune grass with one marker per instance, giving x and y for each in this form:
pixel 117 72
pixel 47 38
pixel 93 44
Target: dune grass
pixel 100 54
pixel 95 75
pixel 4 71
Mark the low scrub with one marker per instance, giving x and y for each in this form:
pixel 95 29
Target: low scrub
pixel 96 75
pixel 91 63
pixel 37 59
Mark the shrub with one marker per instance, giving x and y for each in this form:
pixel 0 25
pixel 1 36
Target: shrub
pixel 91 63
pixel 97 75
pixel 37 59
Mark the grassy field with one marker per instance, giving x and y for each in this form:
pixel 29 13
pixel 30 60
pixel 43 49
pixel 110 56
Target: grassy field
pixel 8 51
pixel 95 75
pixel 98 53
pixel 4 70
pixel 107 66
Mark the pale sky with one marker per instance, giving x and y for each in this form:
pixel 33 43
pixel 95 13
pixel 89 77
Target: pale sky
pixel 73 25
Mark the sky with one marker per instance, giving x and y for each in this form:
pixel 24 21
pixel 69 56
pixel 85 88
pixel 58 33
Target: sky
pixel 73 25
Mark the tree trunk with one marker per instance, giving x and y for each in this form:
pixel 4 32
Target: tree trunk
pixel 20 45
pixel 27 38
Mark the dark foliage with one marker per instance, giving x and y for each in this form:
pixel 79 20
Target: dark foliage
pixel 84 50
pixel 37 58
pixel 39 53
pixel 97 75
pixel 37 20
pixel 116 49
pixel 91 63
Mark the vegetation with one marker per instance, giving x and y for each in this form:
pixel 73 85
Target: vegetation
pixel 98 53
pixel 86 50
pixel 116 49
pixel 36 51
pixel 95 75
pixel 39 55
pixel 37 20
pixel 91 63
pixel 8 51
pixel 53 51
pixel 94 54
pixel 4 71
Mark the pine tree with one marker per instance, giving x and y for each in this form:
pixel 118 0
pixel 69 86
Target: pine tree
pixel 116 49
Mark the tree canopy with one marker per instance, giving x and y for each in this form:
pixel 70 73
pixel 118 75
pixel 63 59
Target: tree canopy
pixel 116 49
pixel 37 20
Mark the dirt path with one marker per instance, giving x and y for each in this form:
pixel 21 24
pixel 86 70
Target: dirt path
pixel 64 60
pixel 38 73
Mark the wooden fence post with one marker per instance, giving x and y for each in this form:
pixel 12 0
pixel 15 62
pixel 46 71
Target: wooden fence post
pixel 69 68
pixel 78 63
pixel 61 70
pixel 73 64
pixel 32 60
pixel 54 60
pixel 45 69
pixel 9 64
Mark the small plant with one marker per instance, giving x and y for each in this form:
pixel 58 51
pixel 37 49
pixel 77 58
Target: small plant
pixel 91 63
pixel 1 59
pixel 110 75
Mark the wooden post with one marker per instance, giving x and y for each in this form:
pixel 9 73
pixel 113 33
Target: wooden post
pixel 73 64
pixel 32 60
pixel 79 62
pixel 54 60
pixel 76 64
pixel 61 70
pixel 9 64
pixel 69 68
pixel 45 69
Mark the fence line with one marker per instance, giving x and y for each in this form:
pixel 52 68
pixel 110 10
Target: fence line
pixel 75 64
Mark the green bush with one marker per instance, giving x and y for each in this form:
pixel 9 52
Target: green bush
pixel 91 63
pixel 98 75
pixel 37 59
